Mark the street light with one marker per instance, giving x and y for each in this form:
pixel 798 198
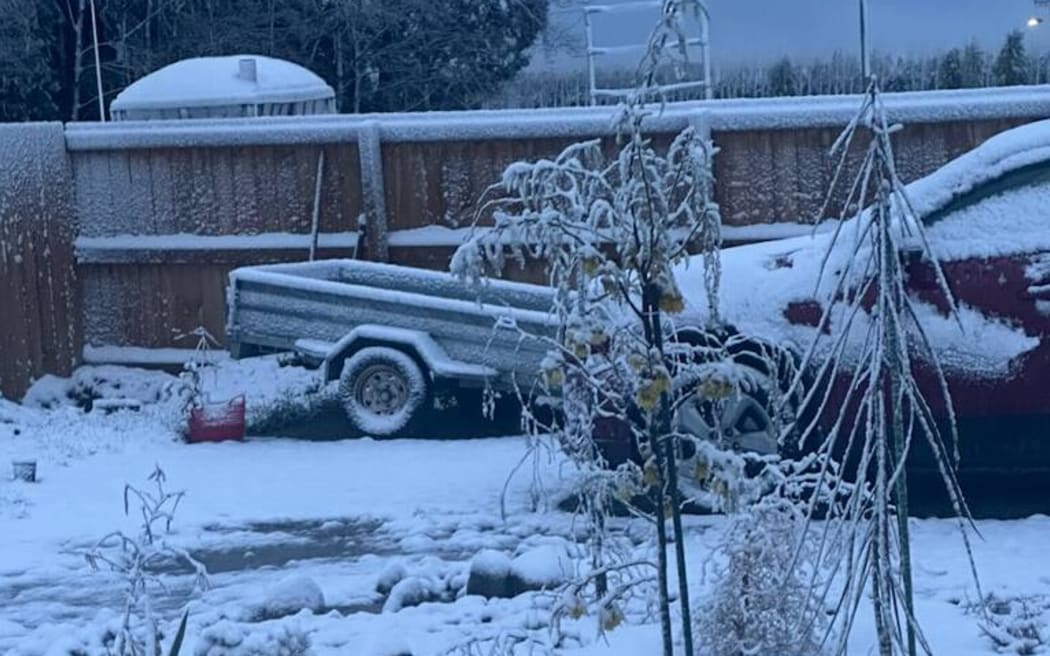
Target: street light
pixel 1034 21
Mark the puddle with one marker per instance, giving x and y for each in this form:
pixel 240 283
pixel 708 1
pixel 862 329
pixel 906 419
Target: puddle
pixel 307 540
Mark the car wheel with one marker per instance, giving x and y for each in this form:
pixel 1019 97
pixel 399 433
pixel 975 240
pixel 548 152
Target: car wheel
pixel 383 391
pixel 742 423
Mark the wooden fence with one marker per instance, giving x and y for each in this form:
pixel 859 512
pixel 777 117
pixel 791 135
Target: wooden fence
pixel 164 211
pixel 39 313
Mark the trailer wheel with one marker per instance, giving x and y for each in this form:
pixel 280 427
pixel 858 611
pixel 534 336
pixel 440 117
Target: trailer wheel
pixel 383 391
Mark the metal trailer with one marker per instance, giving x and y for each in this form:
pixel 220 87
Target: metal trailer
pixel 393 336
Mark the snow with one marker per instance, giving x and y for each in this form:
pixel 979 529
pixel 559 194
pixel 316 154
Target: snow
pixel 363 416
pixel 101 382
pixel 95 249
pixel 1005 224
pixel 1004 152
pixel 437 360
pixel 1039 268
pixel 265 382
pixel 491 563
pixel 138 355
pixel 210 81
pixel 720 115
pixel 546 566
pixel 757 287
pixel 436 235
pixel 1009 223
pixel 327 278
pixel 289 596
pixel 359 501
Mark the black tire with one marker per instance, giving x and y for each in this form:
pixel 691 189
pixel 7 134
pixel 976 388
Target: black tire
pixel 750 414
pixel 384 392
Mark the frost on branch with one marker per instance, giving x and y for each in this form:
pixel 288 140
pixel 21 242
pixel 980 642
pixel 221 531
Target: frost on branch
pixel 611 228
pixel 871 411
pixel 137 558
pixel 763 602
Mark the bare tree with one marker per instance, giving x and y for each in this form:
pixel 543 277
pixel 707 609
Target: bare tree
pixel 873 354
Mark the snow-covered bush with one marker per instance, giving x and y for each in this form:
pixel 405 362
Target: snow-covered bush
pixel 134 557
pixel 763 602
pixel 1016 625
pixel 91 383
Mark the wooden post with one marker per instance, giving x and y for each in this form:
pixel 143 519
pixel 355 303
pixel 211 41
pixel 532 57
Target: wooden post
pixel 373 191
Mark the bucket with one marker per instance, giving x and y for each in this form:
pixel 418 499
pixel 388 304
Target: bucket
pixel 24 470
pixel 217 422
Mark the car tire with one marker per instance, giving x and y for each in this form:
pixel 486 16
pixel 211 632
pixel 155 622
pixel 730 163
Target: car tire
pixel 384 392
pixel 752 419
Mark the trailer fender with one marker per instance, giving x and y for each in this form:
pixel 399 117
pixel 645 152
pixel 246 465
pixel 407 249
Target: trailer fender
pixel 420 345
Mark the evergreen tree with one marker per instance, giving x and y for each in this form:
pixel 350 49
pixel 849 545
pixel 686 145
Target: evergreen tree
pixel 949 71
pixel 974 65
pixel 27 82
pixel 379 55
pixel 1011 64
pixel 782 79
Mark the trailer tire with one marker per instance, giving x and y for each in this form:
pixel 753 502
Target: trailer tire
pixel 384 391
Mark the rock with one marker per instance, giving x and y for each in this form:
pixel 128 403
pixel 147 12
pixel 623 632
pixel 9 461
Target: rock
pixel 290 596
pixel 389 577
pixel 411 591
pixel 542 568
pixel 489 575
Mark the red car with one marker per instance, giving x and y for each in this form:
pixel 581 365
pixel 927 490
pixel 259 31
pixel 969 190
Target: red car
pixel 987 217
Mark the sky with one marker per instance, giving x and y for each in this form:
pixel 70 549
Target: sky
pixel 748 31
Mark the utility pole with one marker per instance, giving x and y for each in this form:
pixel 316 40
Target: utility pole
pixel 98 65
pixel 865 58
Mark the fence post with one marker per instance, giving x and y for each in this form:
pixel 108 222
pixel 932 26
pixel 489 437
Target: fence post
pixel 373 191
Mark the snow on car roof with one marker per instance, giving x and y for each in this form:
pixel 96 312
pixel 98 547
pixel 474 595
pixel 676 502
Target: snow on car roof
pixel 759 281
pixel 213 81
pixel 999 155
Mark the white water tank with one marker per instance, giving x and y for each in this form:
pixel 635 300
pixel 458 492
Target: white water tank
pixel 224 87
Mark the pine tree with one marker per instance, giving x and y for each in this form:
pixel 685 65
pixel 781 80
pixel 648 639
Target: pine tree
pixel 950 71
pixel 885 345
pixel 1011 64
pixel 782 79
pixel 974 66
pixel 27 81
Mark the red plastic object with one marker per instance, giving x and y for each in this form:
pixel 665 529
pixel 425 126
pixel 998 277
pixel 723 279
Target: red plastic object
pixel 217 422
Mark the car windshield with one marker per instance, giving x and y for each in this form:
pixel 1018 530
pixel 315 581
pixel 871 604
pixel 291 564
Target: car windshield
pixel 1007 216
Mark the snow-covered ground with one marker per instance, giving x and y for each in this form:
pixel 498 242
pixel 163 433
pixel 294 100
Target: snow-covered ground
pixel 271 515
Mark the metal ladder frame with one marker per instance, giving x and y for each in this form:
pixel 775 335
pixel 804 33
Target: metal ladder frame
pixel 702 42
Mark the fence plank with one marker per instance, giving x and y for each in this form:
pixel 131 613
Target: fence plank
pixel 37 278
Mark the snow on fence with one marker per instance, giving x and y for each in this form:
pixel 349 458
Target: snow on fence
pixel 165 209
pixel 38 304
